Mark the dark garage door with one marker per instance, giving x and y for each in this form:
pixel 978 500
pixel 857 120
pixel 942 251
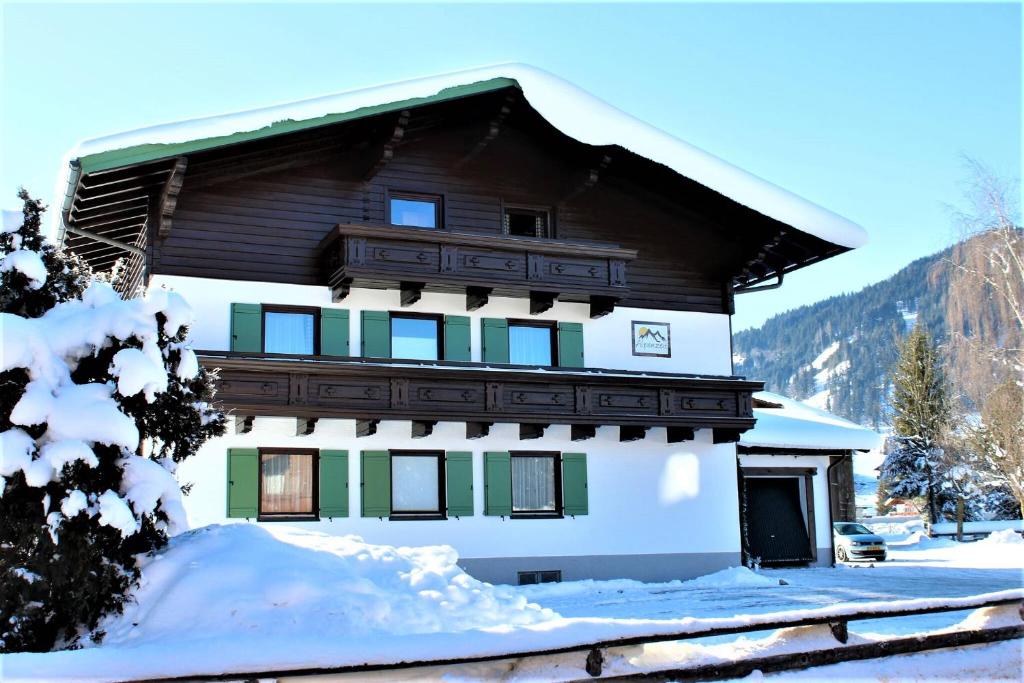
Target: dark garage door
pixel 775 526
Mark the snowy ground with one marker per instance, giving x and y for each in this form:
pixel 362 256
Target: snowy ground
pixel 256 599
pixel 922 569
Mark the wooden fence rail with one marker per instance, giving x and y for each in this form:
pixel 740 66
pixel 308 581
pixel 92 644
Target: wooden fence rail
pixel 836 617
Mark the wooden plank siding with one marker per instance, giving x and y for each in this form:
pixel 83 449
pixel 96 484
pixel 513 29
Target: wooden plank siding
pixel 267 225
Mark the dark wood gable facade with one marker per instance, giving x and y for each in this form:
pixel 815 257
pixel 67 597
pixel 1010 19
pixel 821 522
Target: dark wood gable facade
pixel 310 206
pixel 261 210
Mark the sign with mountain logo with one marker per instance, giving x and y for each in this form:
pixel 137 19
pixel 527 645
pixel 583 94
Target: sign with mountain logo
pixel 651 339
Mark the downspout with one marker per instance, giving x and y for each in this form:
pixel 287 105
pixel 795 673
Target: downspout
pixel 69 199
pixel 831 517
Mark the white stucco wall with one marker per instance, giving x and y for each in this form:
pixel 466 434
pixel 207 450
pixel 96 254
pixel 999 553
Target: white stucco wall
pixel 644 497
pixel 700 341
pixel 823 530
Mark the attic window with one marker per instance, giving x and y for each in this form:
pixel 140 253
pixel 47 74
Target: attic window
pixel 527 223
pixel 413 210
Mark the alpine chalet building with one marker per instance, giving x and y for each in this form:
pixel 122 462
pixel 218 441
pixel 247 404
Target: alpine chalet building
pixel 483 309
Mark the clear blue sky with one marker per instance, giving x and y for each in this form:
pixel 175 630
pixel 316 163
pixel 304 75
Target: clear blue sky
pixel 866 109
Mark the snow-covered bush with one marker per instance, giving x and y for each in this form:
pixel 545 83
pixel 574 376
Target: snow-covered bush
pixel 100 398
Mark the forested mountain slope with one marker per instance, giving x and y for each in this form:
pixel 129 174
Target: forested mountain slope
pixel 836 354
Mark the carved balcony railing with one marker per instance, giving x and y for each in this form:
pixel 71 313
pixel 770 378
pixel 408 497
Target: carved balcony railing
pixel 413 259
pixel 370 390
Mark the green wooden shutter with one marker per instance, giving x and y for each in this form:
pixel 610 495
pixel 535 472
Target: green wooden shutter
pixel 333 483
pixel 497 483
pixel 375 478
pixel 574 483
pixel 494 334
pixel 334 331
pixel 459 492
pixel 246 328
pixel 376 334
pixel 243 482
pixel 456 337
pixel 570 345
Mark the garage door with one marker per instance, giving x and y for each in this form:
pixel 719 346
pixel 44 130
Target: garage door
pixel 774 523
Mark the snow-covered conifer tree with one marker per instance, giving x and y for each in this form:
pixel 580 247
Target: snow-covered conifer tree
pixel 100 398
pixel 34 275
pixel 921 411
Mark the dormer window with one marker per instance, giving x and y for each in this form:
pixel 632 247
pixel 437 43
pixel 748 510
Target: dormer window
pixel 414 210
pixel 527 222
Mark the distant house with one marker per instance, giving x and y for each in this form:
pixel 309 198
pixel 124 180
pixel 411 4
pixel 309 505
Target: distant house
pixel 903 507
pixel 484 309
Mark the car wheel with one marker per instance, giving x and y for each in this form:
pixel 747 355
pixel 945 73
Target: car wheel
pixel 841 554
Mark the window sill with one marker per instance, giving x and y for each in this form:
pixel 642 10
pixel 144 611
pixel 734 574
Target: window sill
pixel 288 518
pixel 416 517
pixel 537 515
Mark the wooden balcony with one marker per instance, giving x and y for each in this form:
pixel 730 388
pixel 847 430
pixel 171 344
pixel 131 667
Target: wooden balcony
pixel 370 390
pixel 414 259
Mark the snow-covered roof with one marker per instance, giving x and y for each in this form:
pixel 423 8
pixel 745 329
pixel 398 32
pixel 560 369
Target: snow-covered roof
pixel 573 111
pixel 798 425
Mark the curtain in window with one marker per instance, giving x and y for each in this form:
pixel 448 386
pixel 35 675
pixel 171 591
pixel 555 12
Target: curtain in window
pixel 529 345
pixel 287 486
pixel 288 333
pixel 414 485
pixel 533 483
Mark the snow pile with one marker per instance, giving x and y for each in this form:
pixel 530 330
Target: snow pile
pixel 558 101
pixel 286 582
pixel 1004 537
pixel 28 263
pixel 244 597
pixel 731 578
pixel 980 527
pixel 904 531
pixel 79 416
pixel 798 425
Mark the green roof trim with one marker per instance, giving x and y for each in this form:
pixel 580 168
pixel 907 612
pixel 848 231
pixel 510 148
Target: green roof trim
pixel 139 154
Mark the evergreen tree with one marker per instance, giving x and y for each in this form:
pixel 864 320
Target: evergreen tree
pixel 35 276
pixel 100 398
pixel 921 412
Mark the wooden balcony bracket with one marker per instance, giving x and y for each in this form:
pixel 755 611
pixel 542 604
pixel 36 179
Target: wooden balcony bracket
pixel 366 427
pixel 601 306
pixel 582 432
pixel 477 297
pixel 725 435
pixel 678 434
pixel 305 425
pixel 632 433
pixel 243 423
pixel 422 428
pixel 476 430
pixel 531 431
pixel 541 301
pixel 411 292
